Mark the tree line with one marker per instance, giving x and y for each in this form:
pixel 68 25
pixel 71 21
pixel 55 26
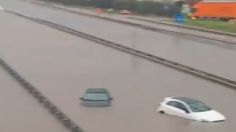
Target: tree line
pixel 140 7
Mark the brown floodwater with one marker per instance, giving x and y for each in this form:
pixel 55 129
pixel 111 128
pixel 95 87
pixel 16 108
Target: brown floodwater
pixel 20 112
pixel 217 58
pixel 63 66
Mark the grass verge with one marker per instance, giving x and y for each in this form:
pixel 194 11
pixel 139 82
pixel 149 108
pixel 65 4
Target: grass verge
pixel 224 26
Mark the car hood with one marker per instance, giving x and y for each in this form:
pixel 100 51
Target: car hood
pixel 211 116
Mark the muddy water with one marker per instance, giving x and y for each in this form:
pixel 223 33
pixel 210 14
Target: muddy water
pixel 20 112
pixel 63 66
pixel 205 55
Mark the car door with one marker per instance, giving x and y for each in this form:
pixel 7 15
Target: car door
pixel 177 108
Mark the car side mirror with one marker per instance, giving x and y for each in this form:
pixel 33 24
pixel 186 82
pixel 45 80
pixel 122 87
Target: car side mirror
pixel 110 98
pixel 81 98
pixel 186 111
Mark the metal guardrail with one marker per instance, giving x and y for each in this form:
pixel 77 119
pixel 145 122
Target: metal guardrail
pixel 155 29
pixel 172 64
pixel 56 112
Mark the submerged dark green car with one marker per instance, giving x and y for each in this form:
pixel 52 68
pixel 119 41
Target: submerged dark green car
pixel 96 97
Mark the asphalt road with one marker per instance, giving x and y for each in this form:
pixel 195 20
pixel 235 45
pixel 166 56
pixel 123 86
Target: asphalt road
pixel 216 58
pixel 62 66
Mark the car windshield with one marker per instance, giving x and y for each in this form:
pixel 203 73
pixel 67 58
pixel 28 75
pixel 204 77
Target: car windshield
pixel 95 96
pixel 199 107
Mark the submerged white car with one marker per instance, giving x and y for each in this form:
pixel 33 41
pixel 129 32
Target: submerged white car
pixel 189 108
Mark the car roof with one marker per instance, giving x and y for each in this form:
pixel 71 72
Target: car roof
pixel 187 100
pixel 96 90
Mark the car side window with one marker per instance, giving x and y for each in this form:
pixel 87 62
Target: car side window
pixel 177 105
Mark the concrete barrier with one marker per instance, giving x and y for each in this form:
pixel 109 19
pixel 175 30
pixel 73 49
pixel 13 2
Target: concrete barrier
pixel 147 27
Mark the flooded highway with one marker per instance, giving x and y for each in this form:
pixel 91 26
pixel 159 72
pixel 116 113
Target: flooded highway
pixel 63 66
pixel 20 112
pixel 216 58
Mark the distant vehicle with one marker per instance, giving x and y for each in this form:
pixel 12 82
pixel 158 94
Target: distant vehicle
pixel 214 10
pixel 189 108
pixel 96 97
pixel 125 12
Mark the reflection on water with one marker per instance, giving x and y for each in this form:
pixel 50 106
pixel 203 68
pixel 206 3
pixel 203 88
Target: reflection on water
pixel 76 64
pixel 134 39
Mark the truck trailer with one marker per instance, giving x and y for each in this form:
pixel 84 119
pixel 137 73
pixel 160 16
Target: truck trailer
pixel 214 10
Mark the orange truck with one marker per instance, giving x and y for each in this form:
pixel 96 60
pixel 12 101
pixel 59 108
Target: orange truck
pixel 214 10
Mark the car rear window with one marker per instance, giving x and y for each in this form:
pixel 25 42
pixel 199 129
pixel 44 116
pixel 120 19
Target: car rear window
pixel 96 96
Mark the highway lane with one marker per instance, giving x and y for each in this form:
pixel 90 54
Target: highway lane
pixel 133 19
pixel 21 112
pixel 216 58
pixel 62 66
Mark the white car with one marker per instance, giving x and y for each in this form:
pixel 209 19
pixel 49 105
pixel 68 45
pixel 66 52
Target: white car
pixel 189 108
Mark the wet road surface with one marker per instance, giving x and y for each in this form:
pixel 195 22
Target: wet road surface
pixel 63 66
pixel 20 112
pixel 216 58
